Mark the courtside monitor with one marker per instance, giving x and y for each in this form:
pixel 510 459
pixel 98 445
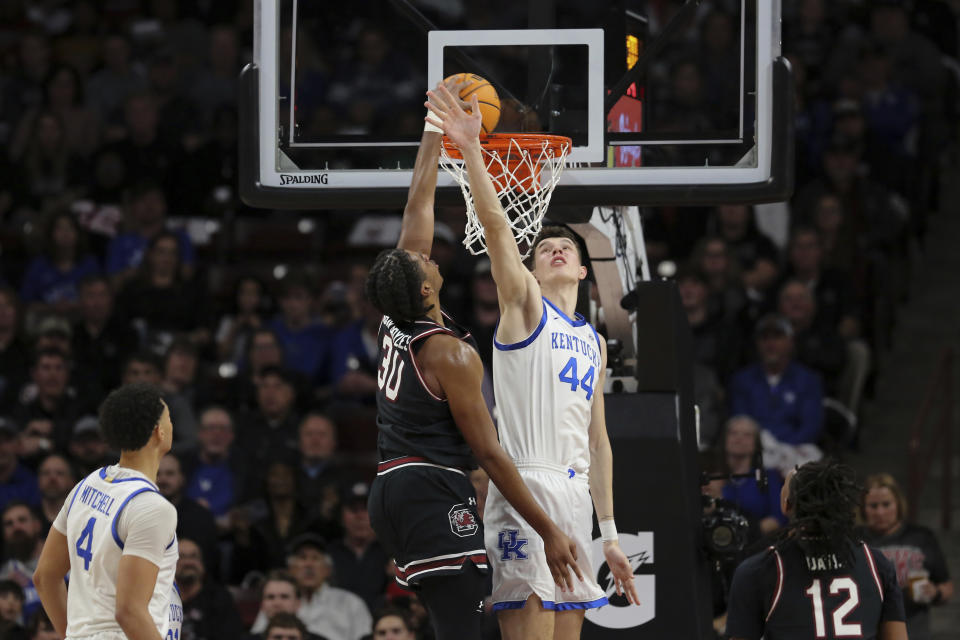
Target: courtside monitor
pixel 666 102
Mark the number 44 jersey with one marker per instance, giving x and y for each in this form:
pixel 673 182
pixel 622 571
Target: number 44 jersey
pixel 114 512
pixel 544 386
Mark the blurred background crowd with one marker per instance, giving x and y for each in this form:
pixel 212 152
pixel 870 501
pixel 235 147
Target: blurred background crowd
pixel 126 256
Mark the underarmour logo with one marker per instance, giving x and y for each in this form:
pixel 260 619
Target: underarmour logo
pixel 472 501
pixel 508 543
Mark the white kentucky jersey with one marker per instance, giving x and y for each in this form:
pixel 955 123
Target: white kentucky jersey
pixel 544 388
pixel 109 508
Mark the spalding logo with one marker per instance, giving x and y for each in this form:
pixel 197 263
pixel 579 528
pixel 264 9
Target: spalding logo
pixel 620 614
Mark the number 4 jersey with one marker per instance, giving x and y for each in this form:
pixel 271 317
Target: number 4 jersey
pixel 785 594
pixel 114 512
pixel 544 386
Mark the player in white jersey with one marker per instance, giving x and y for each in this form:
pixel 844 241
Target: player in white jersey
pixel 548 373
pixel 116 535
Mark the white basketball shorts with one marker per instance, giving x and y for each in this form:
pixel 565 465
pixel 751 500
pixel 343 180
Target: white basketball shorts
pixel 516 551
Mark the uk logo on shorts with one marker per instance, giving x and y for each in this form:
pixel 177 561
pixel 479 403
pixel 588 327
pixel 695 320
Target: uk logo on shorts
pixel 509 543
pixel 462 521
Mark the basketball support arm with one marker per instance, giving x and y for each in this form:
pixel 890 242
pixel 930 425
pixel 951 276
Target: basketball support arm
pixel 618 255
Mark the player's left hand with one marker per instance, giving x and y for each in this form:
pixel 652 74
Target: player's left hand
pixel 621 570
pixel 461 127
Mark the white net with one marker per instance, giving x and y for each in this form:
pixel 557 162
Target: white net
pixel 525 169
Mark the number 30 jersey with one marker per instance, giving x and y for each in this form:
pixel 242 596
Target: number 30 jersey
pixel 544 387
pixel 412 421
pixel 113 512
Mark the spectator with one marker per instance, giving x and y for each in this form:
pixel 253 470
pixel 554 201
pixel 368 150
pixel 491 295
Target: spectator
pixel 63 96
pixel 785 397
pixel 39 627
pixel 145 154
pixel 101 341
pixel 159 303
pixel 319 476
pixel 333 613
pixel 358 559
pixel 11 611
pixel 194 522
pixel 55 479
pixel 306 342
pixel 217 84
pixel 145 217
pixel 21 550
pixel 36 442
pixel 236 328
pixel 712 258
pixel 88 449
pixel 208 609
pixel 108 88
pixel 264 350
pixel 270 432
pixel 353 370
pixel 393 624
pixel 24 90
pixel 50 396
pixel 922 571
pixel 756 253
pixel 143 366
pixel 216 479
pixel 17 483
pixel 260 543
pixel 182 383
pixel 48 172
pixel 286 626
pixel 742 451
pixel 816 346
pixel 836 303
pixel 280 595
pixel 14 355
pixel 52 279
pixel 716 343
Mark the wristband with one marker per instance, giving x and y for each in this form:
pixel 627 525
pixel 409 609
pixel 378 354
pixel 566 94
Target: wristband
pixel 429 126
pixel 608 530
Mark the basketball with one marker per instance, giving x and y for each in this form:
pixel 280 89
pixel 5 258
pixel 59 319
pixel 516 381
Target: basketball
pixel 486 96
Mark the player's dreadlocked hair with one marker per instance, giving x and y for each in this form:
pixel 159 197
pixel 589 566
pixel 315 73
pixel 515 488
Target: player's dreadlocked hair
pixel 824 496
pixel 393 286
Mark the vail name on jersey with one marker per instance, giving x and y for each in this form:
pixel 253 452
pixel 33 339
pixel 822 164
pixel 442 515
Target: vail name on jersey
pixel 400 339
pixel 823 563
pixel 568 342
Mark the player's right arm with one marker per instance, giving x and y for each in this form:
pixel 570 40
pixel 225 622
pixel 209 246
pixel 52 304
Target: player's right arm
pixel 52 567
pixel 416 232
pixel 136 579
pixel 455 368
pixel 517 290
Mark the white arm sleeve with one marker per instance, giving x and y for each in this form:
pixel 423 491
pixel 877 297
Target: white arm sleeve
pixel 147 526
pixel 60 522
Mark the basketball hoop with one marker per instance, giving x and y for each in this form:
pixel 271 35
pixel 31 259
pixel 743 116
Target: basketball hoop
pixel 515 162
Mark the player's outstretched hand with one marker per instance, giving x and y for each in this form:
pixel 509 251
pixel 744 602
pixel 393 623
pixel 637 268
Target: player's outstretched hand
pixel 461 127
pixel 561 555
pixel 621 570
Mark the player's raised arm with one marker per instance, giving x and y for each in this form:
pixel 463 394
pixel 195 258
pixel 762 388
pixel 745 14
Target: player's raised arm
pixel 457 369
pixel 416 234
pixel 601 487
pixel 516 287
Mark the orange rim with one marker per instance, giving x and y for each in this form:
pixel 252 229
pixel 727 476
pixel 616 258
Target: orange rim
pixel 501 143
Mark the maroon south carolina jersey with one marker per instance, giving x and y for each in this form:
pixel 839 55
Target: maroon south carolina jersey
pixel 784 594
pixel 412 420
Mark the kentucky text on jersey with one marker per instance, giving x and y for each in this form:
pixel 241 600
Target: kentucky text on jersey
pixel 176 613
pixel 576 344
pixel 97 500
pixel 400 339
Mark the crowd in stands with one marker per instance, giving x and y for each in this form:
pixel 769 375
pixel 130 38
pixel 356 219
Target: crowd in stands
pixel 117 191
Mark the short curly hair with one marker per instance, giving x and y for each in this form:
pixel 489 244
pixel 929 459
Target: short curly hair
pixel 393 286
pixel 130 414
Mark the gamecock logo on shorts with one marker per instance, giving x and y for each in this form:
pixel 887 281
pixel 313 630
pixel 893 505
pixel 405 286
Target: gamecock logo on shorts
pixel 462 521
